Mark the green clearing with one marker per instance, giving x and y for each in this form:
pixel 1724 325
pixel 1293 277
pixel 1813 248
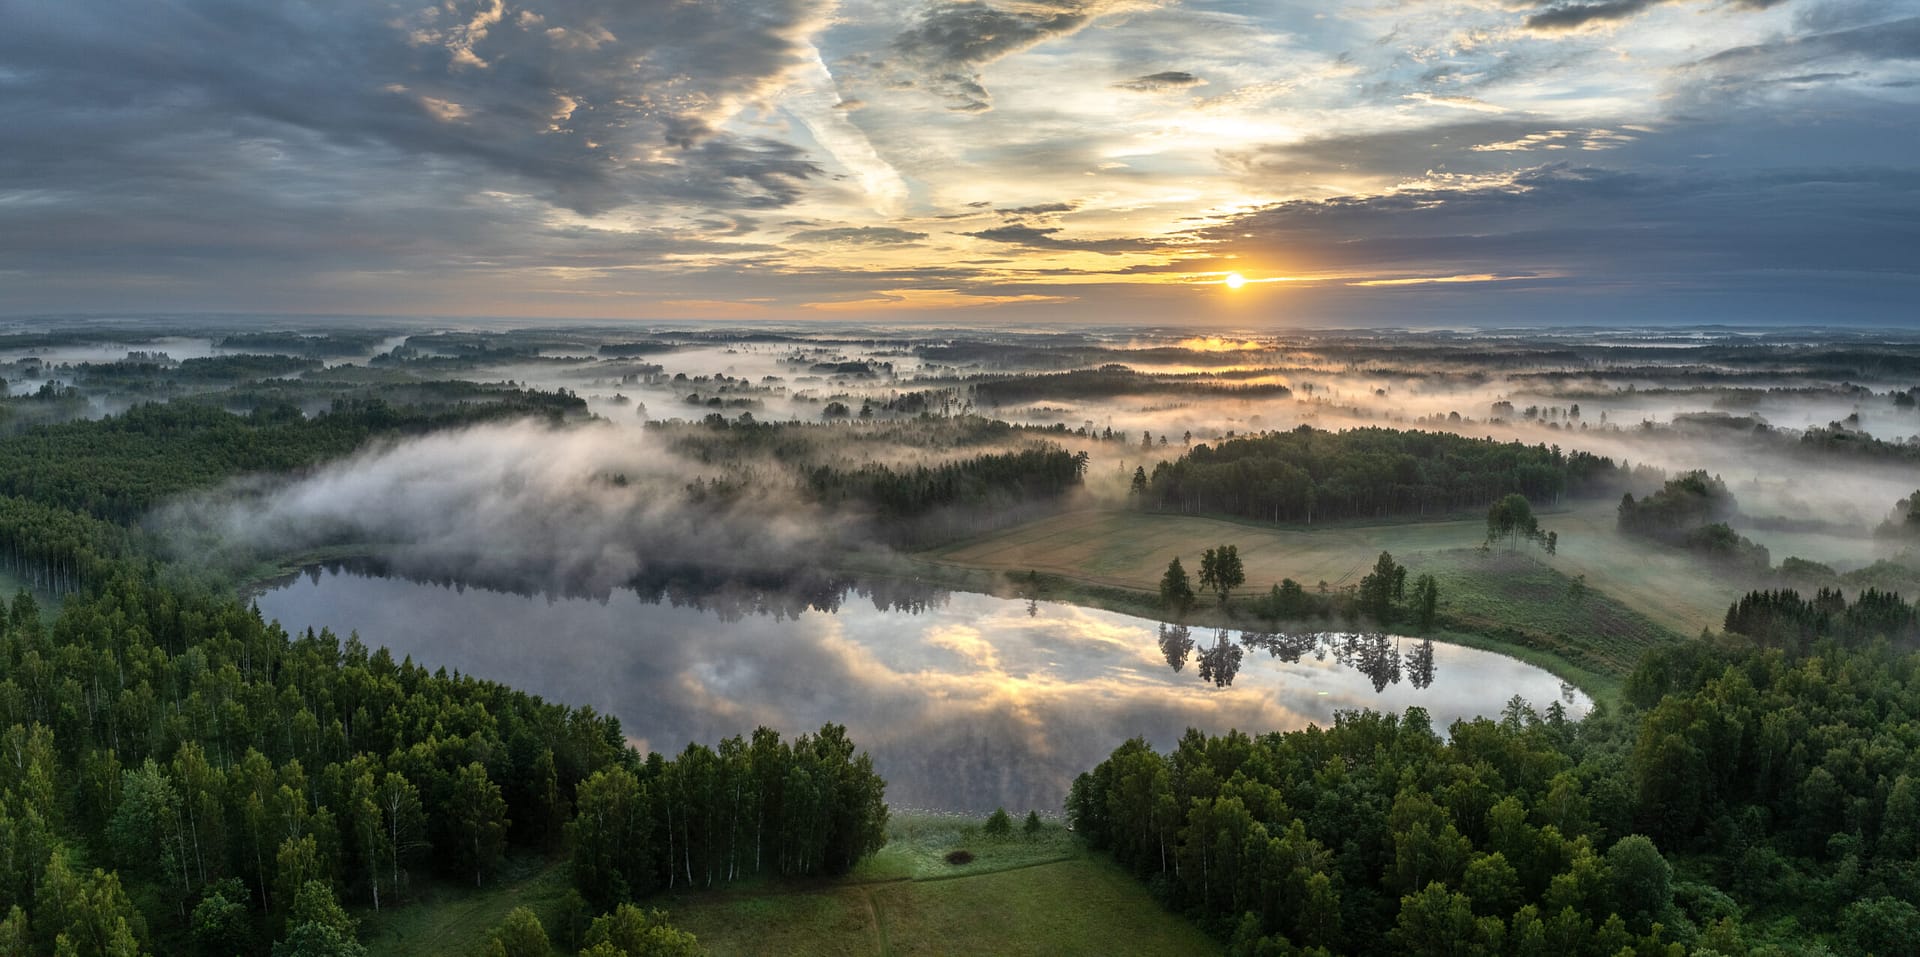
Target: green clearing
pixel 1525 603
pixel 1042 895
pixel 1128 549
pixel 451 919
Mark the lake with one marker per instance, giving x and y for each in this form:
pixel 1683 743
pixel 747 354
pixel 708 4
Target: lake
pixel 966 701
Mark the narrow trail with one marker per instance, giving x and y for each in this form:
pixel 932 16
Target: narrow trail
pixel 882 946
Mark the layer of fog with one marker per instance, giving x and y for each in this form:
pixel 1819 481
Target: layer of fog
pixel 577 507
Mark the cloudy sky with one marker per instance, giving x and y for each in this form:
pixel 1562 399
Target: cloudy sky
pixel 1019 161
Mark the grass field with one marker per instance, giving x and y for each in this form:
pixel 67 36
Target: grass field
pixel 1631 594
pixel 1129 549
pixel 1044 895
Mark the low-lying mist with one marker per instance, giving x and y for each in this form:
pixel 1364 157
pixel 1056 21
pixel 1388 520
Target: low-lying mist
pixel 521 504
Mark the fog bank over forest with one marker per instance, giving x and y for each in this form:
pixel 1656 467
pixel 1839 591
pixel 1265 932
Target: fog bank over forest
pixel 1816 433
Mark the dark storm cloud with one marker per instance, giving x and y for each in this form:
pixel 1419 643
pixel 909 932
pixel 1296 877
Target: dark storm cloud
pixel 1572 16
pixel 1478 145
pixel 201 138
pixel 858 236
pixel 1605 227
pixel 1898 40
pixel 1034 237
pixel 1160 82
pixel 591 104
pixel 952 41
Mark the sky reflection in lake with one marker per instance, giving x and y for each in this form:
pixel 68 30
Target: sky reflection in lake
pixel 971 703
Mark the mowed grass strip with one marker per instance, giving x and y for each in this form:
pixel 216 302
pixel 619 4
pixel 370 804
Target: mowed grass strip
pixel 1020 894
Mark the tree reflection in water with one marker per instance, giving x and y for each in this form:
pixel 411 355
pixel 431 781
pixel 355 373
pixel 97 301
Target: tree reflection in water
pixel 1220 663
pixel 1374 654
pixel 1176 642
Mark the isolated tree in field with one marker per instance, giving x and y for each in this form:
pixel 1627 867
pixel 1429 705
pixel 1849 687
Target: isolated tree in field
pixel 999 825
pixel 1511 519
pixel 1426 601
pixel 1033 825
pixel 1175 591
pixel 1383 586
pixel 1139 486
pixel 1221 571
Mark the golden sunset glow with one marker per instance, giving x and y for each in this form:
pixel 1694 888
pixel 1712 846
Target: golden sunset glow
pixel 1078 160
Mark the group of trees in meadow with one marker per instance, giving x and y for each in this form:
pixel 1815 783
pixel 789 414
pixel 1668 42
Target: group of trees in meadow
pixel 1309 475
pixel 1691 511
pixel 1511 520
pixel 1757 792
pixel 1381 597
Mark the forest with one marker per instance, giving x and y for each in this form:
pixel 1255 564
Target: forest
pixel 1753 793
pixel 179 776
pixel 187 778
pixel 1309 475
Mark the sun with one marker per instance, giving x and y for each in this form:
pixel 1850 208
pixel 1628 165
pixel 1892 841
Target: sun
pixel 1234 280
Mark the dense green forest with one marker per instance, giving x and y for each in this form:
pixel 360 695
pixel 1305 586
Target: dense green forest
pixel 185 778
pixel 120 467
pixel 180 773
pixel 1309 475
pixel 1114 380
pixel 1755 793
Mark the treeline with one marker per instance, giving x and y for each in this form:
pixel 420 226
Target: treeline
pixel 751 808
pixel 1378 836
pixel 210 369
pixel 1783 619
pixel 1691 511
pixel 56 551
pixel 995 479
pixel 1749 799
pixel 1309 475
pixel 119 467
pixel 217 770
pixel 1112 380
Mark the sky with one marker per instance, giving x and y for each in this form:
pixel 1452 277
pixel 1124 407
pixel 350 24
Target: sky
pixel 1245 165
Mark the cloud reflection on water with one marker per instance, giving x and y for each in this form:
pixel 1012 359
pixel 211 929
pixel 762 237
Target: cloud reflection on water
pixel 972 703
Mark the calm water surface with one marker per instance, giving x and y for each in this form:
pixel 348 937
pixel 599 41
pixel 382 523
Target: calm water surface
pixel 966 701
